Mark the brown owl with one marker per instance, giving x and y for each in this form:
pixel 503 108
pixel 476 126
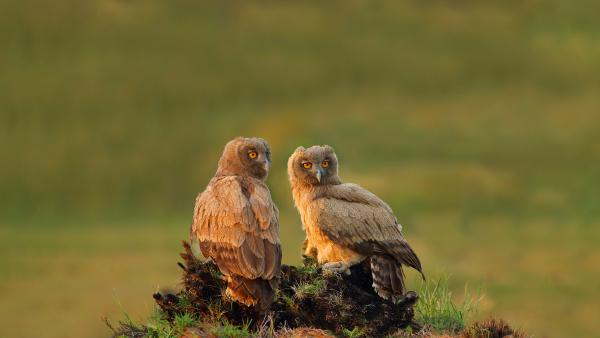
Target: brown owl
pixel 345 224
pixel 236 223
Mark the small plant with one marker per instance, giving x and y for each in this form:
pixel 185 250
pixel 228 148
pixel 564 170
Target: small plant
pixel 289 301
pixel 184 302
pixel 307 289
pixel 215 310
pixel 216 274
pixel 336 298
pixel 184 321
pixel 158 327
pixel 229 330
pixel 354 333
pixel 436 310
pixel 266 328
pixel 310 267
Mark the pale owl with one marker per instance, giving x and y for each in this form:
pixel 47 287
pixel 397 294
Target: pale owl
pixel 345 224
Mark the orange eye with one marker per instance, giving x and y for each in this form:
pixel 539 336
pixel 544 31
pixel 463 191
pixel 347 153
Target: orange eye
pixel 307 165
pixel 253 154
pixel 325 164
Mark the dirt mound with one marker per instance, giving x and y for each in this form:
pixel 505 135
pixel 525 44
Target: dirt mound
pixel 306 298
pixel 308 304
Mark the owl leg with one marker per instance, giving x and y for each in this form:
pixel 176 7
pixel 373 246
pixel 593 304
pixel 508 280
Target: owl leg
pixel 336 267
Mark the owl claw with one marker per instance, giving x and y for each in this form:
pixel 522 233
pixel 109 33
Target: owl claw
pixel 336 267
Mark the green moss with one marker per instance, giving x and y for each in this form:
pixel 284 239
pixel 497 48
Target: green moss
pixel 354 333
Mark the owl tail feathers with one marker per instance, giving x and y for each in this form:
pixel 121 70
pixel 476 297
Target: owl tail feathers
pixel 388 278
pixel 406 255
pixel 251 292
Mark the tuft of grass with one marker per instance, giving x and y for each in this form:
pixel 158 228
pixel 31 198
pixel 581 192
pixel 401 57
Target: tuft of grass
pixel 354 333
pixel 228 330
pixel 436 310
pixel 289 301
pixel 215 310
pixel 183 321
pixel 158 327
pixel 308 289
pixel 216 274
pixel 266 327
pixel 183 301
pixel 309 266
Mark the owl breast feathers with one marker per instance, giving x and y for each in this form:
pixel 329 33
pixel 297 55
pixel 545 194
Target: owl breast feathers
pixel 345 224
pixel 236 224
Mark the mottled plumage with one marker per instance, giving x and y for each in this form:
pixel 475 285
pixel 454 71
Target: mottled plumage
pixel 346 224
pixel 236 223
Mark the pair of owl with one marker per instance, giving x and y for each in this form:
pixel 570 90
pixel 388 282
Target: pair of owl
pixel 236 223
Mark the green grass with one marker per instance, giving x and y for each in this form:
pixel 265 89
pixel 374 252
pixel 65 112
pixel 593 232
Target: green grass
pixel 289 301
pixel 309 289
pixel 227 330
pixel 437 310
pixel 476 121
pixel 158 327
pixel 184 321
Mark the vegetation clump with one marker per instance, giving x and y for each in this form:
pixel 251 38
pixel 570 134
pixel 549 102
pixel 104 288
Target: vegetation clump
pixel 308 304
pixel 439 312
pixel 343 305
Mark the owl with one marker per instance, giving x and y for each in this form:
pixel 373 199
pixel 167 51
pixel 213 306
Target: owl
pixel 346 224
pixel 236 223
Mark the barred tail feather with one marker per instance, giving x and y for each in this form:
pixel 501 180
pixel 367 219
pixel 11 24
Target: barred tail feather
pixel 388 278
pixel 252 292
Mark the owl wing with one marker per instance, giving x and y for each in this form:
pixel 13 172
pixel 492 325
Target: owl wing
pixel 353 217
pixel 236 224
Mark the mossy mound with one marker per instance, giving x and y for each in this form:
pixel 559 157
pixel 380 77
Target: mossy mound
pixel 308 304
pixel 307 298
pixel 338 303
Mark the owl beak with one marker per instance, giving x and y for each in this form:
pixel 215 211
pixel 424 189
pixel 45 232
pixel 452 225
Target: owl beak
pixel 266 166
pixel 319 174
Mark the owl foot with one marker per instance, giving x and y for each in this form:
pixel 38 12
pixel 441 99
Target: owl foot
pixel 336 267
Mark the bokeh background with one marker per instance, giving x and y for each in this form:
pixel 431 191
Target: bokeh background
pixel 478 121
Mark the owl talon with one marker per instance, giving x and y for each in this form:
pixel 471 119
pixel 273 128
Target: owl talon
pixel 336 268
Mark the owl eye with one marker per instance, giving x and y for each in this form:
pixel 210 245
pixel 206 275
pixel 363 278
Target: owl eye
pixel 253 154
pixel 307 165
pixel 325 164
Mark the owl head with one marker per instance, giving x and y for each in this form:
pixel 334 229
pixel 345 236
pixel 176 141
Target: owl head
pixel 317 165
pixel 246 157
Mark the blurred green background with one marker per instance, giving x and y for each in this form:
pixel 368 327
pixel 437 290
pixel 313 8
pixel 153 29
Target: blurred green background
pixel 477 121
